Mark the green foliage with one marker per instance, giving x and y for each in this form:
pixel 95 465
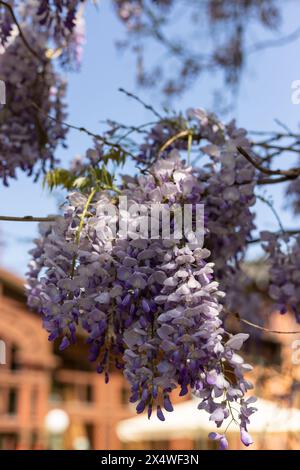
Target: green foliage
pixel 116 155
pixel 91 177
pixel 59 177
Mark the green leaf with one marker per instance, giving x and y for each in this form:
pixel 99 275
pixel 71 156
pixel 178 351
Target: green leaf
pixel 59 177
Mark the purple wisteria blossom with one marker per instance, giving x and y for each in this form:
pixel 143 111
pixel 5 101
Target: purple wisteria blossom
pixel 149 306
pixel 6 23
pixel 227 181
pixel 33 91
pixel 284 273
pixel 60 15
pixel 230 181
pixel 56 17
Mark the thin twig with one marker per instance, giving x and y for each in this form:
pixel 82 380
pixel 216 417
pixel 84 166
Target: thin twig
pixel 114 145
pixel 267 330
pixel 146 106
pixel 282 125
pixel 262 328
pixel 278 42
pixel 286 232
pixel 277 135
pixel 28 218
pixel 270 205
pixel 280 148
pixel 281 179
pixel 132 129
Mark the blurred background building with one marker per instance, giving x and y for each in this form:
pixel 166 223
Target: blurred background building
pixel 37 378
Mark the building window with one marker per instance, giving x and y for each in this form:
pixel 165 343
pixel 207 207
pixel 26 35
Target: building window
pixel 12 401
pixel 33 401
pixel 13 358
pixel 33 440
pixel 124 395
pixel 89 393
pixel 85 393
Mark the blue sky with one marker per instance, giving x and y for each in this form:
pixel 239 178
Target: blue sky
pixel 93 96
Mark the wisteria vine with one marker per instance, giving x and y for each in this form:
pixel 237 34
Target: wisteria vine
pixel 150 307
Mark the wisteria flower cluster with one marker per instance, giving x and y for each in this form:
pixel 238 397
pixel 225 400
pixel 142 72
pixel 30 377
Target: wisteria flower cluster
pixel 229 195
pixel 284 273
pixel 230 190
pixel 6 23
pixel 227 181
pixel 57 18
pixel 33 92
pixel 60 15
pixel 149 306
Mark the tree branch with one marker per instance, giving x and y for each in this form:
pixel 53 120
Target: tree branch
pixel 28 218
pixel 278 42
pixel 282 179
pixel 292 173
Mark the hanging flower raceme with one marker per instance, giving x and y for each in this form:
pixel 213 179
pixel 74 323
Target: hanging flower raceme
pixel 149 304
pixel 28 137
pixel 284 276
pixel 66 273
pixel 229 196
pixel 57 17
pixel 6 23
pixel 227 181
pixel 72 50
pixel 179 339
pixel 54 294
pixel 230 181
